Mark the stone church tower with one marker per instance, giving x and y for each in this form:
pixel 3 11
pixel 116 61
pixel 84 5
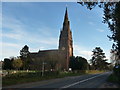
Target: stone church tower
pixel 65 41
pixel 59 58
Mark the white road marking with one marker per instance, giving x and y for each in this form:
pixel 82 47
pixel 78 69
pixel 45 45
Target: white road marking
pixel 81 81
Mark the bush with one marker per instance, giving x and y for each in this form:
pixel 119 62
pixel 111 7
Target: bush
pixel 50 73
pixel 30 74
pixel 116 70
pixel 113 78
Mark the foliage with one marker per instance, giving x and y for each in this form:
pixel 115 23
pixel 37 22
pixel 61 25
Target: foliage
pixel 27 62
pixel 111 17
pixel 25 57
pixel 78 63
pixel 24 52
pixel 72 63
pixel 113 78
pixel 98 60
pixel 17 63
pixel 7 64
pixel 116 70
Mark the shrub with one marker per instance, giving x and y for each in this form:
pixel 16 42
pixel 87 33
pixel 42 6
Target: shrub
pixel 116 70
pixel 50 73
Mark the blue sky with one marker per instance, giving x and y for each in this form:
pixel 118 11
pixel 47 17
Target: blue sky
pixel 38 26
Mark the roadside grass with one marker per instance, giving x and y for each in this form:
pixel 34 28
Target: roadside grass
pixel 94 71
pixel 114 79
pixel 33 76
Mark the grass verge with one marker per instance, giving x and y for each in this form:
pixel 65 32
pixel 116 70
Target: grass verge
pixel 25 77
pixel 114 79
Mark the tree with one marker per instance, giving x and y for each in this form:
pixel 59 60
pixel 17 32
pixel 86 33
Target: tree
pixel 72 63
pixel 83 64
pixel 114 57
pixel 24 52
pixel 78 63
pixel 111 17
pixel 7 64
pixel 98 60
pixel 17 63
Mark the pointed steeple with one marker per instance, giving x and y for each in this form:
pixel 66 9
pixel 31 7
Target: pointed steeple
pixel 66 20
pixel 66 16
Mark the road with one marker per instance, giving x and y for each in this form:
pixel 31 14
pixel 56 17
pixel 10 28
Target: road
pixel 83 81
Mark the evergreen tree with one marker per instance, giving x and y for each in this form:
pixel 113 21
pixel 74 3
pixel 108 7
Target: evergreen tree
pixel 24 51
pixel 98 60
pixel 25 57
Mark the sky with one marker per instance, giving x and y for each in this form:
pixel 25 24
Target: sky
pixel 38 25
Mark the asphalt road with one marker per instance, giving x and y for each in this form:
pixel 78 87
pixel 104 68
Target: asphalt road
pixel 83 81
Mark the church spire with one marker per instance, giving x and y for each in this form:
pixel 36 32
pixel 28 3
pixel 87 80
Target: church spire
pixel 66 20
pixel 66 16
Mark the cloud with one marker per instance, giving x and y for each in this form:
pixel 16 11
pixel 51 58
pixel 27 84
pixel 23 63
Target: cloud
pixel 9 49
pixel 10 45
pixel 42 40
pixel 86 53
pixel 12 23
pixel 16 34
pixel 100 30
pixel 91 23
pixel 19 31
pixel 45 31
pixel 12 35
pixel 82 51
pixel 9 52
pixel 107 54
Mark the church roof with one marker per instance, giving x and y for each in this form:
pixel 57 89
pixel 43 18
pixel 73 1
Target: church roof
pixel 48 50
pixel 42 53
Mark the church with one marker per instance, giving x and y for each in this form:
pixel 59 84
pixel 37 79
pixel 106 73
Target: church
pixel 58 58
